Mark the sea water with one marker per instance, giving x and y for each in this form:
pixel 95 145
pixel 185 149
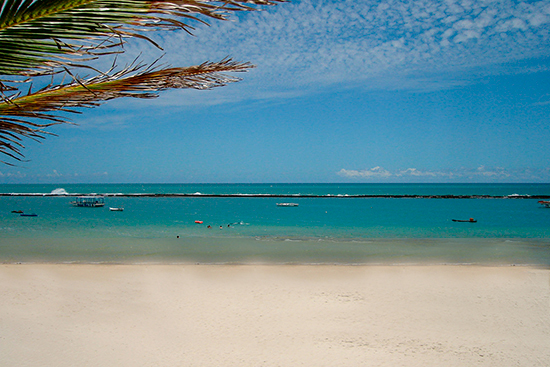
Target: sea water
pixel 333 223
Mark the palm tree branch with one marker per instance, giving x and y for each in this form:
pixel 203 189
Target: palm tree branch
pixel 32 26
pixel 13 130
pixel 130 82
pixel 85 93
pixel 39 37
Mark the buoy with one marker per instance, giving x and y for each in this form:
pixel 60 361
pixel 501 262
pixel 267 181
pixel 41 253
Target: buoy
pixel 198 221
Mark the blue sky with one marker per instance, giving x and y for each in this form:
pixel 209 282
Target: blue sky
pixel 343 91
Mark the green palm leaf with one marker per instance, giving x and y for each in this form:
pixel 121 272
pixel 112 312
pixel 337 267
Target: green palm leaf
pixel 131 82
pixel 32 31
pixel 40 37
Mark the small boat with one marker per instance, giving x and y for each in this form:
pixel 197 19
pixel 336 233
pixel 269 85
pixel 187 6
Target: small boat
pixel 198 221
pixel 471 220
pixel 17 211
pixel 89 201
pixel 545 203
pixel 116 209
pixel 287 204
pixel 28 215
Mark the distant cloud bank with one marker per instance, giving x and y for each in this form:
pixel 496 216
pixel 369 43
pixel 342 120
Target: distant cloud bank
pixel 480 174
pixel 50 177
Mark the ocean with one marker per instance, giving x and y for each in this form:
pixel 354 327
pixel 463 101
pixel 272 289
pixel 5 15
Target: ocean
pixel 242 223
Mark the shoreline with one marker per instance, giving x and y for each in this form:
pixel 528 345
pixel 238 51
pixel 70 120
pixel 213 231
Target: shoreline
pixel 277 251
pixel 289 196
pixel 273 315
pixel 274 264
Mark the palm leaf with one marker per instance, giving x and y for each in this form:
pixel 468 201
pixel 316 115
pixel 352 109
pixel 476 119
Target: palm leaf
pixel 130 82
pixel 34 31
pixel 40 37
pixel 136 81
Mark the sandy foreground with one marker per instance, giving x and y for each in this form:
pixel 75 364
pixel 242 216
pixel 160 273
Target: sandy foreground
pixel 253 315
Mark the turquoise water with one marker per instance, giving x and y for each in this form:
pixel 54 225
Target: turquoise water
pixel 329 229
pixel 302 189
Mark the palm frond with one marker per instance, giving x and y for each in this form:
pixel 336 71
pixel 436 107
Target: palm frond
pixel 138 81
pixel 12 132
pixel 130 82
pixel 46 37
pixel 33 31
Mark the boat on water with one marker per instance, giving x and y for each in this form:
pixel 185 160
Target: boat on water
pixel 116 209
pixel 89 201
pixel 545 203
pixel 471 220
pixel 287 204
pixel 28 215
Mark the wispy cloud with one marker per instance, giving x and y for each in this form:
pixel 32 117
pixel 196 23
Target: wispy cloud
pixel 309 44
pixel 479 174
pixel 12 175
pixel 376 172
pixel 120 121
pixel 544 100
pixel 51 176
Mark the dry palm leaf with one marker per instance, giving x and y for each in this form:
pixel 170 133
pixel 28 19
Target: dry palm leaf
pixel 39 37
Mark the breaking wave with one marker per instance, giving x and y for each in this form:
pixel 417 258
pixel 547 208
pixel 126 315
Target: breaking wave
pixel 59 191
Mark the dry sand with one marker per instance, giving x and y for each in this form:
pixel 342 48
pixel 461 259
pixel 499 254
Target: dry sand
pixel 174 315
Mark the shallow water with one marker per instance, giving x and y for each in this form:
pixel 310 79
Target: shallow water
pixel 335 229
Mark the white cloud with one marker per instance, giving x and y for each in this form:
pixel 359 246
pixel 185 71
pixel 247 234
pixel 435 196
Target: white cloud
pixel 53 176
pixel 543 100
pixel 479 174
pixel 495 172
pixel 12 175
pixel 416 173
pixel 376 172
pixel 120 121
pixel 311 44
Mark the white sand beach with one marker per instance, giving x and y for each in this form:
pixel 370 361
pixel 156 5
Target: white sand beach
pixel 263 315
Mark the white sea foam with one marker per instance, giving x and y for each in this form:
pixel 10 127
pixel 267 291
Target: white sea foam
pixel 59 191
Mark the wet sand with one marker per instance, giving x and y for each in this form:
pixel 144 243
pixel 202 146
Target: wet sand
pixel 273 315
